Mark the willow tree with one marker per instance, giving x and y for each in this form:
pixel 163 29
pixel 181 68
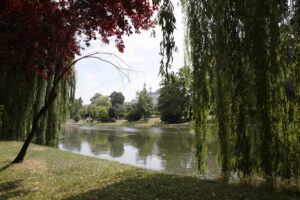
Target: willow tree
pixel 247 74
pixel 19 95
pixel 242 52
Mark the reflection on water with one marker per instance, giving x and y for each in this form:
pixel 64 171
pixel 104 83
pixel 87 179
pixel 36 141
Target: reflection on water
pixel 167 149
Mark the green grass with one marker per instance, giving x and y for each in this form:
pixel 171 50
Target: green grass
pixel 48 173
pixel 141 123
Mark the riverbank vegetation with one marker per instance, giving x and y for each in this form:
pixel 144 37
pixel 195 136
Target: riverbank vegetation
pixel 241 54
pixel 22 99
pixel 156 121
pixel 49 173
pixel 173 104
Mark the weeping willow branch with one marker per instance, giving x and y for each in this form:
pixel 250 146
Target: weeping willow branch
pixel 241 53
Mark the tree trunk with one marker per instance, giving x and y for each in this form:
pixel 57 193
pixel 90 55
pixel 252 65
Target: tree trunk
pixel 20 157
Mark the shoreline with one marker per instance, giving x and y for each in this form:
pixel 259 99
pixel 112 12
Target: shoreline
pixel 50 173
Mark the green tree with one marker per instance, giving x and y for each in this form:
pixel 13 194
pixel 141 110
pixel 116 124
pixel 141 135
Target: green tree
pixel 77 118
pixel 121 110
pixel 174 99
pixel 17 115
pixel 92 111
pixel 83 112
pixel 102 114
pixel 100 100
pixel 134 114
pixel 112 112
pixel 116 98
pixel 245 66
pixel 93 99
pixel 74 110
pixel 144 104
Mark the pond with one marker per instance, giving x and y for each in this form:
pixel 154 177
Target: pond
pixel 157 148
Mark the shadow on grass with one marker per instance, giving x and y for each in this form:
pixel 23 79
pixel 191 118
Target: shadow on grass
pixel 138 185
pixel 11 189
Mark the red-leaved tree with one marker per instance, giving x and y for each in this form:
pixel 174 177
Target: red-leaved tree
pixel 42 37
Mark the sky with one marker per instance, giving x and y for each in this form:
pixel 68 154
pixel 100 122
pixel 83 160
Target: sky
pixel 141 56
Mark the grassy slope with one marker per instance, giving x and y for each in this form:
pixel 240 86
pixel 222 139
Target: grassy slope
pixel 49 173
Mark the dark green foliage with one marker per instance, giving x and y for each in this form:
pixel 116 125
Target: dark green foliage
pixel 112 113
pixel 144 104
pixel 77 118
pixel 121 110
pixel 199 47
pixel 143 108
pixel 174 99
pixel 245 62
pixel 75 108
pixel 134 115
pixel 116 98
pixel 23 98
pixel 166 20
pixel 1 110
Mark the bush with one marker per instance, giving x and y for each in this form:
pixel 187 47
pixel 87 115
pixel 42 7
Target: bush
pixel 103 115
pixel 77 118
pixel 112 113
pixel 133 115
pixel 122 114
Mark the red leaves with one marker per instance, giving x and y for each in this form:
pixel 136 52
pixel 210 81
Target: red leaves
pixel 37 35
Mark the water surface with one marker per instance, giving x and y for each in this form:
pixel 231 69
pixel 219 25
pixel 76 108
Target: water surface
pixel 166 149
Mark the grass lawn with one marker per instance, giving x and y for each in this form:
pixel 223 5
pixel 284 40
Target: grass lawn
pixel 48 173
pixel 141 123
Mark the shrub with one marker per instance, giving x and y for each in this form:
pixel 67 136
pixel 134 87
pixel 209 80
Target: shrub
pixel 133 115
pixel 122 114
pixel 112 113
pixel 103 115
pixel 77 118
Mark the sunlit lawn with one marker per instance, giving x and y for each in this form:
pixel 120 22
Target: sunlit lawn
pixel 141 123
pixel 49 173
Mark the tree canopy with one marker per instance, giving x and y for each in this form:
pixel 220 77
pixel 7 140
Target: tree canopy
pixel 174 99
pixel 144 104
pixel 52 32
pixel 100 100
pixel 241 54
pixel 244 58
pixel 116 98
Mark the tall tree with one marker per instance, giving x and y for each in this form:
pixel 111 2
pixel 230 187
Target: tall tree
pixel 241 53
pixel 235 51
pixel 74 109
pixel 33 94
pixel 174 99
pixel 116 98
pixel 144 104
pixel 49 49
pixel 93 99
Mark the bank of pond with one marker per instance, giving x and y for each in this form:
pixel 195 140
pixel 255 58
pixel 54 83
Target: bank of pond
pixel 49 173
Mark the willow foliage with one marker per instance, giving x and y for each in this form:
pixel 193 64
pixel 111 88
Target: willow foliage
pixel 241 53
pixel 22 99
